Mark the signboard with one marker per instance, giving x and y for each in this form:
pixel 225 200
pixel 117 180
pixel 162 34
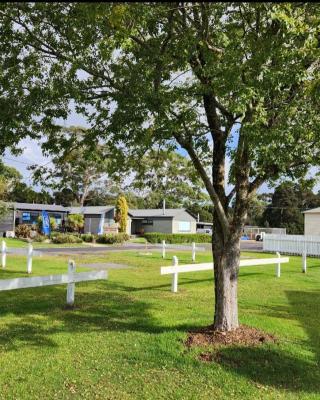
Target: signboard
pixel 26 216
pixel 45 223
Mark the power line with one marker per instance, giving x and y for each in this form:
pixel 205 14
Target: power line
pixel 17 161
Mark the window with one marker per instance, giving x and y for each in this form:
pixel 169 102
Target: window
pixel 184 226
pixel 147 222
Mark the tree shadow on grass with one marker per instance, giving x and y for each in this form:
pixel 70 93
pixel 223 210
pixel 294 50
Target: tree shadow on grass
pixel 33 316
pixel 277 365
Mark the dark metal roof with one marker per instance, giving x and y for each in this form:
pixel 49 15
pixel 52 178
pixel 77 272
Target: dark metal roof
pixel 89 209
pixel 39 207
pixel 158 213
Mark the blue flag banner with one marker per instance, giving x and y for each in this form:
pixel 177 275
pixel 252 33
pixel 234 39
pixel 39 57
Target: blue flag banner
pixel 101 224
pixel 45 223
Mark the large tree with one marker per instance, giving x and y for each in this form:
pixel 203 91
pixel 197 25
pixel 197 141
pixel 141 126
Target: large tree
pixel 166 175
pixel 226 82
pixel 72 170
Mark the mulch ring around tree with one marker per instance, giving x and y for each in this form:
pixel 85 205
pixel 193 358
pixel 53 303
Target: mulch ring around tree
pixel 242 336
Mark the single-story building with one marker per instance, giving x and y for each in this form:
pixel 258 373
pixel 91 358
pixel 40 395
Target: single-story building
pixel 171 220
pixel 99 219
pixel 312 221
pixel 28 213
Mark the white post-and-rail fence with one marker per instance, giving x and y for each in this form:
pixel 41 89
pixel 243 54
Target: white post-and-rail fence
pixel 304 245
pixel 4 252
pixel 70 279
pixel 176 268
pixel 194 248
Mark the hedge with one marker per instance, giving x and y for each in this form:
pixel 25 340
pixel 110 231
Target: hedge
pixel 66 238
pixel 178 237
pixel 112 238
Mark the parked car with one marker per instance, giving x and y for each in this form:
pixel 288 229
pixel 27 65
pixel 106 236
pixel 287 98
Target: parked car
pixel 259 236
pixel 205 230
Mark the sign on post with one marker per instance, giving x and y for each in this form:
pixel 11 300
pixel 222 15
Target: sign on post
pixel 45 223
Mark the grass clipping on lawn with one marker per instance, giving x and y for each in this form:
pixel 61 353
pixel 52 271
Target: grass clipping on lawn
pixel 244 336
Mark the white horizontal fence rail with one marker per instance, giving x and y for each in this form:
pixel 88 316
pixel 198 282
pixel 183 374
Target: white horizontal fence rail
pixel 164 246
pixel 29 252
pixel 70 279
pixel 176 268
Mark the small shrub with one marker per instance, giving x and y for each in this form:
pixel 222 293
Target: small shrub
pixel 112 238
pixel 176 238
pixel 39 238
pixel 88 237
pixel 23 231
pixel 66 238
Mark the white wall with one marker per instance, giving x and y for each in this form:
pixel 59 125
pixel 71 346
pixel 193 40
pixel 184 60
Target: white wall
pixel 312 224
pixel 184 216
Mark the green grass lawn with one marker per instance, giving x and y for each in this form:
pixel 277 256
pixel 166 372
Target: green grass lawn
pixel 124 339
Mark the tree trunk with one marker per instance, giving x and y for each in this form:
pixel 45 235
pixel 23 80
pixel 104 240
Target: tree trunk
pixel 226 256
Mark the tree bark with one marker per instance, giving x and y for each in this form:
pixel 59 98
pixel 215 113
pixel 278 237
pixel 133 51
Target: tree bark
pixel 226 257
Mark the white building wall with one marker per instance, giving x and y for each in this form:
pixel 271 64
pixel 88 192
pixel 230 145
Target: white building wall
pixel 312 224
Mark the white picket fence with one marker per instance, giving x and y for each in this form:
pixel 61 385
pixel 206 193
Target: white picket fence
pixel 292 244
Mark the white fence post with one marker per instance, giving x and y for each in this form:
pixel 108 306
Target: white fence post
pixel 29 258
pixel 278 269
pixel 163 249
pixel 174 285
pixel 304 262
pixel 193 251
pixel 3 254
pixel 71 286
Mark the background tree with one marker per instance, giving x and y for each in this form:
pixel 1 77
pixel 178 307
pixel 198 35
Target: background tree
pixel 164 174
pixel 76 171
pixel 216 79
pixel 288 201
pixel 256 210
pixel 14 190
pixel 76 222
pixel 121 214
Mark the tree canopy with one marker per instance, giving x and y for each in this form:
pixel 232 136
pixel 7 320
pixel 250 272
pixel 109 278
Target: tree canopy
pixel 223 81
pixel 73 171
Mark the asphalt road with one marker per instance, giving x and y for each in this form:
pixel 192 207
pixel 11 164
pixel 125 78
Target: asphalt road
pixel 246 245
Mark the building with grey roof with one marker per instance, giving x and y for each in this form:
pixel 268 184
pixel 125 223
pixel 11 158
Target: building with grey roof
pixel 101 218
pixel 171 220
